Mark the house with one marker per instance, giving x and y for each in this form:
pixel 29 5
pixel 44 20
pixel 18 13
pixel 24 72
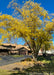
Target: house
pixel 50 51
pixel 24 50
pixel 40 52
pixel 6 49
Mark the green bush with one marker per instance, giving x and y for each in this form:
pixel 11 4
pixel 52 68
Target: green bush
pixel 40 58
pixel 28 59
pixel 17 55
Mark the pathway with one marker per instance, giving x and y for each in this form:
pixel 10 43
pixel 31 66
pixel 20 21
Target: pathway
pixel 9 59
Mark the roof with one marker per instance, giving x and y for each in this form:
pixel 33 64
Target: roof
pixel 12 46
pixel 20 47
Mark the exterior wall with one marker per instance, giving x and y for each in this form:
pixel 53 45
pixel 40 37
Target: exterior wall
pixel 4 52
pixel 23 52
pixel 40 52
pixel 14 52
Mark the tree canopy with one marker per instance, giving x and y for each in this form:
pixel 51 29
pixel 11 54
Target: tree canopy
pixel 32 23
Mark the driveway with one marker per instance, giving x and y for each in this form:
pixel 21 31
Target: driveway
pixel 9 59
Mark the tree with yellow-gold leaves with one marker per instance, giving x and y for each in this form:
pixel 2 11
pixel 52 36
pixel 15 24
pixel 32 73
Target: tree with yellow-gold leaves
pixel 31 22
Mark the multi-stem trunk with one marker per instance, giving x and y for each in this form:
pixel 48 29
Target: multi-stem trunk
pixel 35 54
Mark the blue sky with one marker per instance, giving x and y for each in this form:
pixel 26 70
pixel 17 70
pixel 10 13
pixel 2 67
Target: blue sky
pixel 46 4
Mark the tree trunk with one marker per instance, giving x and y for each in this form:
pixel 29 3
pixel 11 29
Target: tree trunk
pixel 35 54
pixel 34 58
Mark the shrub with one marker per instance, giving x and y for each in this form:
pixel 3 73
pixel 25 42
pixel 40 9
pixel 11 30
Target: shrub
pixel 28 59
pixel 40 58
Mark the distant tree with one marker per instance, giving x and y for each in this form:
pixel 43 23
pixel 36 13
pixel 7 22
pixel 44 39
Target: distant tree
pixel 33 26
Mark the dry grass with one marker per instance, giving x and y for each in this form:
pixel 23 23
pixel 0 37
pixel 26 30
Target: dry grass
pixel 0 58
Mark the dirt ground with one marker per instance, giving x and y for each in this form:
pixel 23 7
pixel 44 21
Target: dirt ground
pixel 18 65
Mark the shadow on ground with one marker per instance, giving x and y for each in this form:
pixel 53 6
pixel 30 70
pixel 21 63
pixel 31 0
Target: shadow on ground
pixel 38 68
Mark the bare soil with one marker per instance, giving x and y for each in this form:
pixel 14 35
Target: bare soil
pixel 19 65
